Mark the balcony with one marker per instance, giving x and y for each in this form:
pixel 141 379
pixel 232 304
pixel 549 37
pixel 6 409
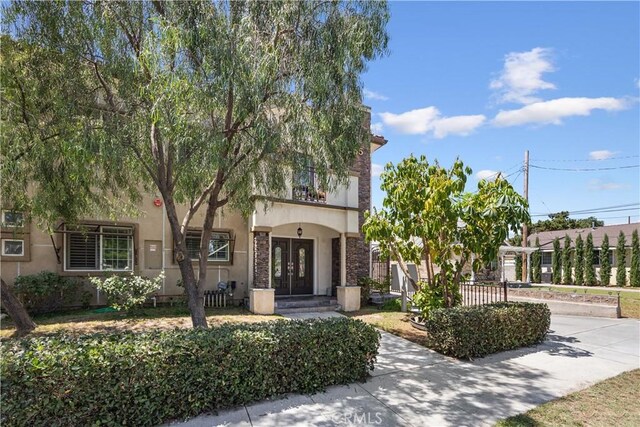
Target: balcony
pixel 306 187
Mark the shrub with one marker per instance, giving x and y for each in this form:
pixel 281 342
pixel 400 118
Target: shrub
pixel 367 285
pixel 634 274
pixel 149 378
pixel 429 298
pixel 127 292
pixel 579 255
pixel 392 305
pixel 468 332
pixel 556 262
pixel 621 261
pixel 47 291
pixel 605 265
pixel 589 268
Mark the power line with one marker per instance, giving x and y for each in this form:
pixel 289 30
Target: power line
pixel 593 212
pixel 585 160
pixel 585 169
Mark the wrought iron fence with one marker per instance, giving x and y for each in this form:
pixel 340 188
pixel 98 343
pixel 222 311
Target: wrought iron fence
pixel 380 267
pixel 483 293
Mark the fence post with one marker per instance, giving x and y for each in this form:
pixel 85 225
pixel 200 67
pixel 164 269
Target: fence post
pixel 504 288
pixel 403 293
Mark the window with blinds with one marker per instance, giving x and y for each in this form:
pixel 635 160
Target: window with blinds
pixel 98 248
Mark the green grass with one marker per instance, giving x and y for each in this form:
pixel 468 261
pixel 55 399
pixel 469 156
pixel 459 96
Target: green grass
pixel 613 402
pixel 629 300
pixel 86 321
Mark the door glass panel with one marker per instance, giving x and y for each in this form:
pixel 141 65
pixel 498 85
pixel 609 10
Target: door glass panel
pixel 301 262
pixel 277 262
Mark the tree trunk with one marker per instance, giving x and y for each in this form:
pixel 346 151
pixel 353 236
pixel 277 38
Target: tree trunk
pixel 16 310
pixel 195 296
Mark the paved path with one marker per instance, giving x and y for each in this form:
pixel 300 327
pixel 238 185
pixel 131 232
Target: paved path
pixel 413 386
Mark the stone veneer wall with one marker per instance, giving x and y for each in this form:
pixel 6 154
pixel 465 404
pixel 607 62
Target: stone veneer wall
pixel 335 264
pixel 358 252
pixel 261 253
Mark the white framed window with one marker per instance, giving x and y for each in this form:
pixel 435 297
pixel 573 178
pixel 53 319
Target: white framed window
pixel 219 246
pixel 12 219
pixel 99 248
pixel 12 247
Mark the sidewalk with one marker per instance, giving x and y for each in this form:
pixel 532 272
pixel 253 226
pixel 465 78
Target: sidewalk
pixel 413 386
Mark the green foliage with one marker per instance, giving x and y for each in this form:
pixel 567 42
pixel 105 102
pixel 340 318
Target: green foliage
pixel 579 256
pixel 621 261
pixel 589 267
pixel 392 305
pixel 368 285
pixel 634 274
pixel 556 262
pixel 536 264
pixel 517 241
pixel 147 379
pixel 566 262
pixel 127 292
pixel 429 298
pixel 48 291
pixel 423 207
pixel 605 265
pixel 476 331
pixel 561 221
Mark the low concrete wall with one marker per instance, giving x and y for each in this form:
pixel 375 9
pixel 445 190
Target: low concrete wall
pixel 571 308
pixel 262 301
pixel 349 297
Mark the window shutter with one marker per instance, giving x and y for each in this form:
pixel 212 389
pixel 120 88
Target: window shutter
pixel 83 251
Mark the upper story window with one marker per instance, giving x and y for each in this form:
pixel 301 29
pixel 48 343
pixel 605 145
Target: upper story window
pixel 12 219
pixel 12 247
pixel 306 185
pixel 99 248
pixel 219 245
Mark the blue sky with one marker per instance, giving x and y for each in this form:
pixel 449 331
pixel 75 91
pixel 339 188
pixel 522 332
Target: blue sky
pixel 486 81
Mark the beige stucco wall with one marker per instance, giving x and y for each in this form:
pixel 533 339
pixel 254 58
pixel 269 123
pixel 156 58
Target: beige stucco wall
pixel 150 226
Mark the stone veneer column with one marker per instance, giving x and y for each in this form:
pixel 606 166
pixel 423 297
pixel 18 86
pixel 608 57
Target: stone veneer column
pixel 261 253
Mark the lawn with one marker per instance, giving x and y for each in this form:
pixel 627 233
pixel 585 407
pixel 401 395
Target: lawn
pixel 613 402
pixel 87 321
pixel 393 322
pixel 629 300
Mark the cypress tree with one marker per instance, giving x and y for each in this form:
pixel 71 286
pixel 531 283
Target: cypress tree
pixel 517 241
pixel 634 275
pixel 556 262
pixel 536 265
pixel 566 261
pixel 579 273
pixel 589 268
pixel 621 261
pixel 605 265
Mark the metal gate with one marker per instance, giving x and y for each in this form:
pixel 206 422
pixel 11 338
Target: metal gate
pixel 380 266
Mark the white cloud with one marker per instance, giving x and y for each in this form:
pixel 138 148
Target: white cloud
pixel 376 169
pixel 599 185
pixel 601 154
pixel 487 174
pixel 428 119
pixel 377 128
pixel 521 76
pixel 552 112
pixel 369 94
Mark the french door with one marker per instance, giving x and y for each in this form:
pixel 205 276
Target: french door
pixel 292 266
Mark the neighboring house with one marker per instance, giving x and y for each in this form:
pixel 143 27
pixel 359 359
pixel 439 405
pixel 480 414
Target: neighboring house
pixel 306 244
pixel 546 239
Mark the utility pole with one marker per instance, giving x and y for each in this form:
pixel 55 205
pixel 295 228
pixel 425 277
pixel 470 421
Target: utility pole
pixel 525 231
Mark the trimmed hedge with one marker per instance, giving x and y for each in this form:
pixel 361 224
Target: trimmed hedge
pixel 468 332
pixel 149 378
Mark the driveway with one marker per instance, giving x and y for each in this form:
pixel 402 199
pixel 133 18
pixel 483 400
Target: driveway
pixel 413 386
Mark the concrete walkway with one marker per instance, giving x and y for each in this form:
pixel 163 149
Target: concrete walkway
pixel 413 386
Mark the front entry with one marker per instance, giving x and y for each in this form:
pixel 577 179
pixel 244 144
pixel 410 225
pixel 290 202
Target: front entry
pixel 292 266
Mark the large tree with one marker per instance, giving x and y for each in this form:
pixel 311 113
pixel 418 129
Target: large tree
pixel 206 103
pixel 427 216
pixel 561 221
pixel 605 264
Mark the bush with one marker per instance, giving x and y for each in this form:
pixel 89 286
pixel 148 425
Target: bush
pixel 367 285
pixel 392 305
pixel 149 378
pixel 127 292
pixel 429 298
pixel 468 332
pixel 47 291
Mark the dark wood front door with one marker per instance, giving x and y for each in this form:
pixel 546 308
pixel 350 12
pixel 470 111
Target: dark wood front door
pixel 292 266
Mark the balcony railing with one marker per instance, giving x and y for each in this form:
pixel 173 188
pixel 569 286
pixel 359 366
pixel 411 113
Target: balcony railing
pixel 306 187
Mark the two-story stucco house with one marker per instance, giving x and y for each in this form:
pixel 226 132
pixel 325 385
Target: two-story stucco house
pixel 309 243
